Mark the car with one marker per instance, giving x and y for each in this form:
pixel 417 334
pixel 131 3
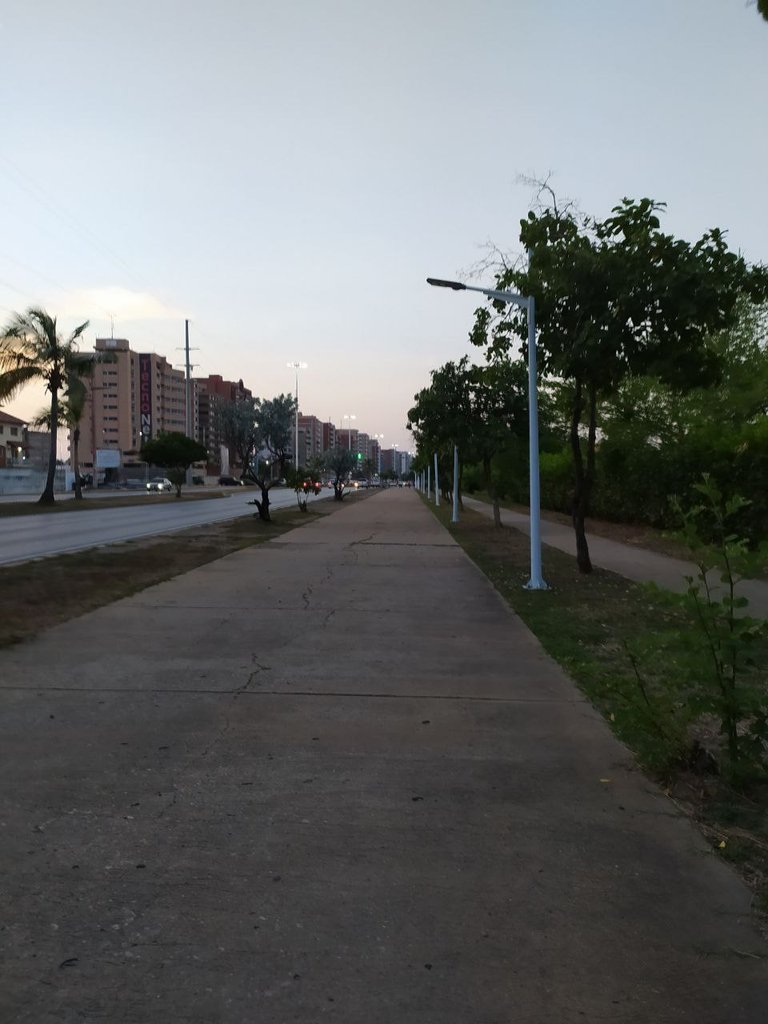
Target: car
pixel 160 483
pixel 229 481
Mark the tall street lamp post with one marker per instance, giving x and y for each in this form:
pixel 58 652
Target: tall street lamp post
pixel 526 302
pixel 350 417
pixel 297 367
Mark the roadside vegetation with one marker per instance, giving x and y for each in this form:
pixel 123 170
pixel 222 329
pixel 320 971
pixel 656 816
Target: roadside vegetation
pixel 653 370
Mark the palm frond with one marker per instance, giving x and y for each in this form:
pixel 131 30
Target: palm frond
pixel 13 379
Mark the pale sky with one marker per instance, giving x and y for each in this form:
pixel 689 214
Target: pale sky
pixel 287 174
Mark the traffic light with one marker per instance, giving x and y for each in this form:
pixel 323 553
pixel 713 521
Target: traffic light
pixel 359 456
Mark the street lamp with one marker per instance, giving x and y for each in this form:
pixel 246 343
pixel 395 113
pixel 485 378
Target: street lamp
pixel 350 417
pixel 296 367
pixel 526 302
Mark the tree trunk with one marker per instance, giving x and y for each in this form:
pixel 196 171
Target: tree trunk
pixel 491 492
pixel 585 476
pixel 47 497
pixel 263 505
pixel 580 494
pixel 76 458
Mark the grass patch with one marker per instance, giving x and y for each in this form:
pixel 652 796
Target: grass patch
pixel 32 508
pixel 623 648
pixel 37 595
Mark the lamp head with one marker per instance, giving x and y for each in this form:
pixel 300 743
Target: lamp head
pixel 437 282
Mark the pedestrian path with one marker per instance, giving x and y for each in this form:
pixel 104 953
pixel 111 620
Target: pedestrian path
pixel 334 777
pixel 638 564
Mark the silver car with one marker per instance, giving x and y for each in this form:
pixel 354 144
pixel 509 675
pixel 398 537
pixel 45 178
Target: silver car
pixel 160 483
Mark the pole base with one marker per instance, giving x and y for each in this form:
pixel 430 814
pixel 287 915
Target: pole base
pixel 536 584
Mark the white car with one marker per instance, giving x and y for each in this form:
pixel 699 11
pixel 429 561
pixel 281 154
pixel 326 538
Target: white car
pixel 160 483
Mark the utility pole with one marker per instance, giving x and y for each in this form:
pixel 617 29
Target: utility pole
pixel 190 415
pixel 190 418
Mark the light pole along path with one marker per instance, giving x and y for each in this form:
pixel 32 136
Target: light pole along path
pixel 526 302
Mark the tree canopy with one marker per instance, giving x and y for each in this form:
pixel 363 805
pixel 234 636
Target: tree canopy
pixel 31 350
pixel 175 452
pixel 616 298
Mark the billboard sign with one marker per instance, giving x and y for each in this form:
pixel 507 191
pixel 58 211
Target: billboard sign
pixel 107 458
pixel 145 395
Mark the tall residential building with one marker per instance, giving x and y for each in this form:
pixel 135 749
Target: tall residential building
pixel 310 438
pixel 211 392
pixel 374 454
pixel 131 398
pixel 330 439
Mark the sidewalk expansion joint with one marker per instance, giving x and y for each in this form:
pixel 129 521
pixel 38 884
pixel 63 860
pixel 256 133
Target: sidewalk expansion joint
pixel 241 691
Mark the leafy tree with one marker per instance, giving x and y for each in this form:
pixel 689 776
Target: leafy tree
pixel 31 350
pixel 613 299
pixel 658 441
pixel 237 424
pixel 305 480
pixel 480 409
pixel 339 462
pixel 369 469
pixel 273 426
pixel 176 452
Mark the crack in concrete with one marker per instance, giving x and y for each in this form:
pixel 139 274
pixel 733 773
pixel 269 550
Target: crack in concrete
pixel 252 677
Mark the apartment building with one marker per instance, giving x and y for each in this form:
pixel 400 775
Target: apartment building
pixel 311 438
pixel 330 439
pixel 132 396
pixel 210 393
pixel 14 440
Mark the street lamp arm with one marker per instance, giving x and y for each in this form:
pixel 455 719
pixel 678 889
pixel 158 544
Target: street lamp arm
pixel 510 297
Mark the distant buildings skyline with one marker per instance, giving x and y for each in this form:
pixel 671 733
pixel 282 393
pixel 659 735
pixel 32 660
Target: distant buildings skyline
pixel 132 396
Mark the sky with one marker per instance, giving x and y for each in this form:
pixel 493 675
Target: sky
pixel 286 175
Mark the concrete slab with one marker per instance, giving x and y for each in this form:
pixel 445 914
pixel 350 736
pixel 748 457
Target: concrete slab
pixel 224 804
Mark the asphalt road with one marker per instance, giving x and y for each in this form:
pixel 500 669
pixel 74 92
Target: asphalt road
pixel 23 538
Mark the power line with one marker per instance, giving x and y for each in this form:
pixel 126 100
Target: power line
pixel 23 181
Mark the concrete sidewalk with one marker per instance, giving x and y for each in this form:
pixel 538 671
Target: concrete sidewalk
pixel 635 563
pixel 335 778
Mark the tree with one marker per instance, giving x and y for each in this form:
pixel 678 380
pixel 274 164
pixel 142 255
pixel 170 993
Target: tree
pixel 273 429
pixel 239 430
pixel 71 409
pixel 339 461
pixel 305 480
pixel 176 452
pixel 31 350
pixel 480 409
pixel 613 299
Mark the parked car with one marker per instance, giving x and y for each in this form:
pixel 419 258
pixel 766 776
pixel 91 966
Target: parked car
pixel 160 483
pixel 229 481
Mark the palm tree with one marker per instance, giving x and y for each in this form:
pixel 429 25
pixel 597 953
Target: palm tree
pixel 31 350
pixel 71 409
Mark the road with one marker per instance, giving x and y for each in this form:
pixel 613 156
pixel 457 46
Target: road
pixel 23 538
